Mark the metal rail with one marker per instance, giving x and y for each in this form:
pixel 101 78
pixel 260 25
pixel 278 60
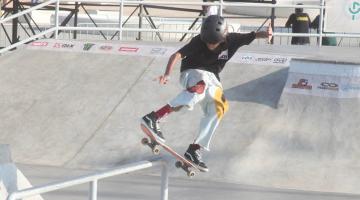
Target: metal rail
pixel 93 179
pixel 46 3
pixel 121 3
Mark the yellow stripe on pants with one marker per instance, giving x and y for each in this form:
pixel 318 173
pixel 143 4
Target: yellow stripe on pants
pixel 221 104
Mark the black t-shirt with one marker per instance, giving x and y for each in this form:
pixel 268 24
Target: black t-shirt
pixel 300 23
pixel 196 55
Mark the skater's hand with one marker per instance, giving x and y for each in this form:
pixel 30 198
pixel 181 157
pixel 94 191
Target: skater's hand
pixel 163 79
pixel 268 34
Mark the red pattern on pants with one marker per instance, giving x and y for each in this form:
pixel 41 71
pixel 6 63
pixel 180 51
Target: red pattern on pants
pixel 198 88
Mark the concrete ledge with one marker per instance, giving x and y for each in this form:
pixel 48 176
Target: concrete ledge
pixel 5 156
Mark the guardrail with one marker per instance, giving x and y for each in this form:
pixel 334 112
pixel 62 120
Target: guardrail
pixel 93 179
pixel 120 28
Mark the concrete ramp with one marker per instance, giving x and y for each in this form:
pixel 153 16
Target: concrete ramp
pixel 310 141
pixel 74 108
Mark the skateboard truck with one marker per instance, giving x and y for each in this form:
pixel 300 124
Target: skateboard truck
pixel 155 148
pixel 190 173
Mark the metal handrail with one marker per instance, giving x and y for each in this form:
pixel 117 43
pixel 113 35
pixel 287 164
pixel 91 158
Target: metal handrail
pixel 46 3
pixel 242 4
pixel 321 6
pixel 51 30
pixel 121 29
pixel 93 179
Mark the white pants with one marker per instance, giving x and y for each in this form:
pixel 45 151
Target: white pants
pixel 210 97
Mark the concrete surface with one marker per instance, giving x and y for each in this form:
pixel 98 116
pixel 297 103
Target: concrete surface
pixel 82 111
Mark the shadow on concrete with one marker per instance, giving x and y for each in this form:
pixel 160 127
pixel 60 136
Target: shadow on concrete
pixel 265 90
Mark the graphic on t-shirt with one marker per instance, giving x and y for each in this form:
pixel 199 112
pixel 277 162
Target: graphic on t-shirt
pixel 224 55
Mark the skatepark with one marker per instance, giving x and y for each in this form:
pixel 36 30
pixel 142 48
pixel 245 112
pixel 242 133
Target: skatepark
pixel 70 108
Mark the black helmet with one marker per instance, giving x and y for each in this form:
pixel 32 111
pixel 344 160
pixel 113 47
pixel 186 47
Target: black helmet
pixel 213 29
pixel 299 10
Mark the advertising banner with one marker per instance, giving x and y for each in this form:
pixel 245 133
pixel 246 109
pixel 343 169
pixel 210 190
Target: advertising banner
pixel 323 79
pixel 132 49
pixel 342 16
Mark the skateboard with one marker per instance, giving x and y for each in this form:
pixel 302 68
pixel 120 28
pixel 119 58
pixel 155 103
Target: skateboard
pixel 156 145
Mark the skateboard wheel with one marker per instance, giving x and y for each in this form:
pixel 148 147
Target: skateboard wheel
pixel 156 150
pixel 145 141
pixel 191 174
pixel 178 164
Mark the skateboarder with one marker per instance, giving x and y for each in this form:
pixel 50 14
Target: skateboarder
pixel 202 59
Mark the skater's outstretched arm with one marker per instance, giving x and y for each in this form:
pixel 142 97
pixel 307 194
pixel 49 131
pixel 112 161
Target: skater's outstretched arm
pixel 265 34
pixel 163 79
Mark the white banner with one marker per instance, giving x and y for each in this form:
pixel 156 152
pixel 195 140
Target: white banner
pixel 102 48
pixel 323 79
pixel 261 59
pixel 133 49
pixel 342 16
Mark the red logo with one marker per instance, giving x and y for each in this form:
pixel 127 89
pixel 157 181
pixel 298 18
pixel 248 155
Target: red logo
pixel 40 44
pixel 129 49
pixel 57 45
pixel 302 84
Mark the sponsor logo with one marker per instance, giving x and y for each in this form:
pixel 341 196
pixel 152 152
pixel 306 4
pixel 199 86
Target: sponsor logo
pixel 280 60
pixel 88 46
pixel 40 44
pixel 57 45
pixel 329 86
pixel 353 9
pixel 302 84
pixel 263 59
pixel 246 58
pixel 158 51
pixel 129 49
pixel 63 45
pixel 106 48
pixel 224 55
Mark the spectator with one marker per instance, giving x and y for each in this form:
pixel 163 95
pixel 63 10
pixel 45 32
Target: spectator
pixel 326 41
pixel 300 23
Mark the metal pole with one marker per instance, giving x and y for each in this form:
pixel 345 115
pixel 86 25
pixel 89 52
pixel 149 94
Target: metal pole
pixel 15 22
pixel 321 22
pixel 76 19
pixel 140 20
pixel 121 19
pixel 152 23
pixel 165 181
pixel 221 7
pixel 273 20
pixel 57 19
pixel 192 25
pixel 93 190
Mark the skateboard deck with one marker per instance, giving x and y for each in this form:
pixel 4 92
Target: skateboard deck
pixel 155 145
